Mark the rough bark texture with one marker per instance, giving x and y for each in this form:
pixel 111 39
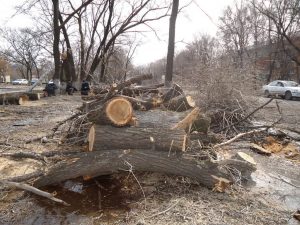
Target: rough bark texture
pixel 143 105
pixel 158 118
pixel 140 90
pixel 171 45
pixel 111 161
pixel 173 92
pixel 33 96
pixel 56 35
pixel 180 103
pixel 107 137
pixel 13 99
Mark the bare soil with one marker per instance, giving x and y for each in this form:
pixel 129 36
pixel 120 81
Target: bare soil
pixel 143 198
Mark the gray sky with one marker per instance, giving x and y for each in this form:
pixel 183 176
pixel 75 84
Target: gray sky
pixel 190 22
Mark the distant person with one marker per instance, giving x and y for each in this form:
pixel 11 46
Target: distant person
pixel 70 89
pixel 50 89
pixel 85 88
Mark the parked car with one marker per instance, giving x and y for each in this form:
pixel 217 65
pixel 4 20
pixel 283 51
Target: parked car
pixel 20 82
pixel 34 80
pixel 282 88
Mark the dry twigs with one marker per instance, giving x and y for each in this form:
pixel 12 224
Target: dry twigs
pixel 247 116
pixel 34 190
pixel 237 137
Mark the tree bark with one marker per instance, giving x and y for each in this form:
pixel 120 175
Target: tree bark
pixel 180 103
pixel 171 45
pixel 56 37
pixel 33 96
pixel 98 163
pixel 156 139
pixel 13 98
pixel 173 92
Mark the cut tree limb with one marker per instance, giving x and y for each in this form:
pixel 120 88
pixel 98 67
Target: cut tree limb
pixel 259 149
pixel 33 96
pixel 158 139
pixel 237 137
pixel 187 122
pixel 34 190
pixel 173 92
pixel 98 163
pixel 180 103
pixel 143 105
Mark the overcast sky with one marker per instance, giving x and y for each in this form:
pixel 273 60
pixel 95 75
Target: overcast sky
pixel 190 22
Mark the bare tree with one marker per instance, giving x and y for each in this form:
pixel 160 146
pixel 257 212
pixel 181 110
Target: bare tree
pixel 235 31
pixel 22 48
pixel 171 44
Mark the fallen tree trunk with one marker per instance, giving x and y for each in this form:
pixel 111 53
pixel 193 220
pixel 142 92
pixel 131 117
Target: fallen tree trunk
pixel 158 118
pixel 13 98
pixel 107 137
pixel 117 112
pixel 180 103
pixel 33 96
pixel 98 163
pixel 139 90
pixel 143 105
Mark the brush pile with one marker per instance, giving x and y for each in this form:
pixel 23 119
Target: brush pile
pixel 144 128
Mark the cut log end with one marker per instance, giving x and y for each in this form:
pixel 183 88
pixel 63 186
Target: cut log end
pixel 245 157
pixel 23 99
pixel 190 101
pixel 91 139
pixel 119 111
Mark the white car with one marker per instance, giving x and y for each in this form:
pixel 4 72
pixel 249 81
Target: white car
pixel 282 88
pixel 20 81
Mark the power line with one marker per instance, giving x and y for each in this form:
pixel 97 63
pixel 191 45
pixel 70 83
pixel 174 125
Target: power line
pixel 208 16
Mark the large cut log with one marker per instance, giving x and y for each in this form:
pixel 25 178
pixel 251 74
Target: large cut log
pixel 180 103
pixel 143 105
pixel 13 99
pixel 158 118
pixel 117 111
pixel 98 163
pixel 107 137
pixel 173 92
pixel 33 96
pixel 140 90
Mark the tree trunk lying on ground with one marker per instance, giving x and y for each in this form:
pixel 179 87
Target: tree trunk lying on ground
pixel 33 96
pixel 143 105
pixel 98 163
pixel 13 98
pixel 107 137
pixel 140 90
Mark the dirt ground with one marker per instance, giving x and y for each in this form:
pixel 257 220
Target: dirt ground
pixel 144 198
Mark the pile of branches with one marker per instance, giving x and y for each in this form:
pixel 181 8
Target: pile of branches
pixel 144 128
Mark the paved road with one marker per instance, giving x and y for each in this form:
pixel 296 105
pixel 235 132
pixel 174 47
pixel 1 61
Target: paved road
pixel 290 111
